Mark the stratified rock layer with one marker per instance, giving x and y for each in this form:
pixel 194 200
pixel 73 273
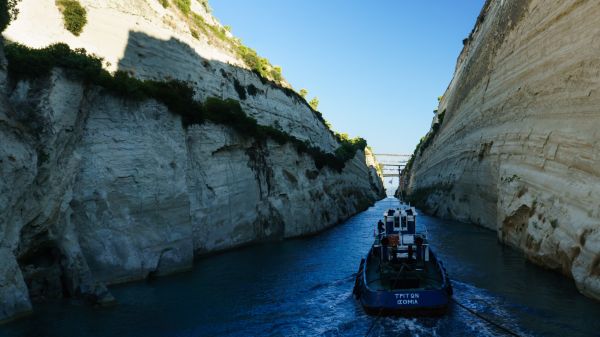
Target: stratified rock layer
pixel 518 147
pixel 96 189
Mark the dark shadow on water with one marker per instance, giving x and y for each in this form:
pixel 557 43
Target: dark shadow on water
pixel 304 287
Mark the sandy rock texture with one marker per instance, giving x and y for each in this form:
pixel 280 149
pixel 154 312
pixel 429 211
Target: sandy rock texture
pixel 151 42
pixel 97 190
pixel 517 150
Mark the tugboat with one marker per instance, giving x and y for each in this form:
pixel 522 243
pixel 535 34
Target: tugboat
pixel 401 275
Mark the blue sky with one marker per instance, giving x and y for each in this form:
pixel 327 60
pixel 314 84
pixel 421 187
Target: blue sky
pixel 376 66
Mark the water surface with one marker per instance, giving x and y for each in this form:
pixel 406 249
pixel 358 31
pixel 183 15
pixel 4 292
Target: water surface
pixel 304 287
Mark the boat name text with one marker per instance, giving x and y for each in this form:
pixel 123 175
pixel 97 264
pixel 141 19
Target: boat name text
pixel 411 298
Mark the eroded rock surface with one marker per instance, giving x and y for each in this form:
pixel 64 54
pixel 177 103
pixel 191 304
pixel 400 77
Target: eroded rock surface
pixel 517 150
pixel 96 189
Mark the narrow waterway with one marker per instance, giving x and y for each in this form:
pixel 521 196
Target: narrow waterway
pixel 304 287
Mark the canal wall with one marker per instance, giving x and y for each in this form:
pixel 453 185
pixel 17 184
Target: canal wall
pixel 514 144
pixel 97 188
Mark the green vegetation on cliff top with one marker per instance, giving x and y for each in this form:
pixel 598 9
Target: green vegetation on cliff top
pixel 25 62
pixel 178 96
pixel 221 35
pixel 74 15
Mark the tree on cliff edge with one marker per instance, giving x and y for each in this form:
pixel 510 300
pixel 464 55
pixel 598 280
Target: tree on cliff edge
pixel 314 103
pixel 8 11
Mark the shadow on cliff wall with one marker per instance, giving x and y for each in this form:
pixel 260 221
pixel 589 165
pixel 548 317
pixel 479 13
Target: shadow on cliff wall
pixel 148 57
pixel 51 265
pixel 43 257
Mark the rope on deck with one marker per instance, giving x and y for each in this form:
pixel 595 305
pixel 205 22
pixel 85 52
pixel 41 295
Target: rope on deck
pixel 478 315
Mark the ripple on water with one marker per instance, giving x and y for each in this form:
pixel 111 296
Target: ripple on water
pixel 303 287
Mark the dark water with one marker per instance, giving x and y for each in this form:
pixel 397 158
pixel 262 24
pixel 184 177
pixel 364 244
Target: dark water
pixel 304 287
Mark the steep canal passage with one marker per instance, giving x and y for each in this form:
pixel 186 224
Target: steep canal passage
pixel 304 287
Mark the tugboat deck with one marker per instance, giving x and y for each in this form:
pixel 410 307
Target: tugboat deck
pixel 429 278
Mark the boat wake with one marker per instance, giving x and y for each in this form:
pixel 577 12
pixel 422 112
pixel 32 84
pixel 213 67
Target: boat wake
pixel 333 283
pixel 485 313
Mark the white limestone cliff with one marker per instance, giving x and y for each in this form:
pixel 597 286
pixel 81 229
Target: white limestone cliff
pixel 517 150
pixel 96 189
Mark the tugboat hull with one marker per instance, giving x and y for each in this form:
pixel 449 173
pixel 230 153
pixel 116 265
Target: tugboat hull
pixel 426 303
pixel 429 301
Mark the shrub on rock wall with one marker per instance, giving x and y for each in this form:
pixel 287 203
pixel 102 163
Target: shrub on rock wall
pixel 74 15
pixel 276 74
pixel 314 103
pixel 184 6
pixel 204 4
pixel 178 96
pixel 261 66
pixel 30 63
pixel 258 64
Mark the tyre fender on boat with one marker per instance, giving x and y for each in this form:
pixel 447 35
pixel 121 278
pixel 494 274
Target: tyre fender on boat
pixel 449 289
pixel 356 290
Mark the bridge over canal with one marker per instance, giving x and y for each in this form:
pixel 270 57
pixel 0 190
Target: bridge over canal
pixel 392 165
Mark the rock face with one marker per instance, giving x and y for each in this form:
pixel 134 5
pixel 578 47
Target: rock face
pixel 96 189
pixel 517 150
